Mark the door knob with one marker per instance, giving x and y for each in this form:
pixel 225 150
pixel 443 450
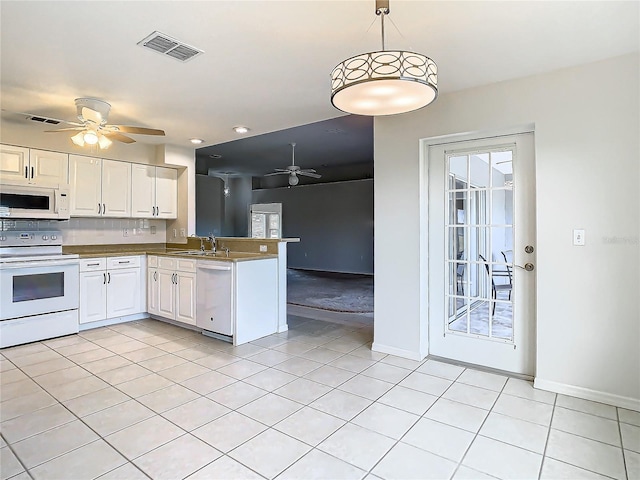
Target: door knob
pixel 527 266
pixel 528 249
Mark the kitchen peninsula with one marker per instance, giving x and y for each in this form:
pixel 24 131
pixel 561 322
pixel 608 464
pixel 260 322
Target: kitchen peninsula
pixel 238 294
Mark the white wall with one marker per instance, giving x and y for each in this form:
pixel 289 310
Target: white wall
pixel 587 172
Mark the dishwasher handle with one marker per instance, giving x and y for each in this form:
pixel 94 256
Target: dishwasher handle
pixel 215 267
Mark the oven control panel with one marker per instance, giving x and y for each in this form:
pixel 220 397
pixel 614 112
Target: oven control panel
pixel 30 239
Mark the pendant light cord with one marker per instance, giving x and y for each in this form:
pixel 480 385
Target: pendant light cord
pixel 382 25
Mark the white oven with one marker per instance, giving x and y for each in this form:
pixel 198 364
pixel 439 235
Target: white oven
pixel 33 287
pixel 39 287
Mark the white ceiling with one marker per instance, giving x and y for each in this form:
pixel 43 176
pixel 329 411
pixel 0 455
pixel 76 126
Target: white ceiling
pixel 267 63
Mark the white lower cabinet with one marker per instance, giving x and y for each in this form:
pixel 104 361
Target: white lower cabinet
pixel 171 291
pixel 111 287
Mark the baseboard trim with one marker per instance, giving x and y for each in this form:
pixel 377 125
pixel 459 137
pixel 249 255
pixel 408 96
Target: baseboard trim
pixel 113 321
pixel 588 394
pixel 398 352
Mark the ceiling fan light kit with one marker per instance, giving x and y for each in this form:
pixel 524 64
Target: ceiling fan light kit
pixel 385 82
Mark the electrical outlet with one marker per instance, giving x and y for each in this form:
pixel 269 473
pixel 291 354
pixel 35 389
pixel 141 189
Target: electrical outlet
pixel 152 229
pixel 175 233
pixel 183 232
pixel 125 232
pixel 578 238
pixel 263 248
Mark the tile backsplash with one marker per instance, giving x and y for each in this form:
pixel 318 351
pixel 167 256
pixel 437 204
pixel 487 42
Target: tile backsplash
pixel 98 231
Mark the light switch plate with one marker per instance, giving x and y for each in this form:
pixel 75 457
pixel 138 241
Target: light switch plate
pixel 578 237
pixel 263 248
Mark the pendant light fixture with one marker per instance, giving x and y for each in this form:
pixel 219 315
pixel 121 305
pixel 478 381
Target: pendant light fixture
pixel 385 82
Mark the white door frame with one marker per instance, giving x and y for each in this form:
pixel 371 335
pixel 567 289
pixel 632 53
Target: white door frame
pixel 425 144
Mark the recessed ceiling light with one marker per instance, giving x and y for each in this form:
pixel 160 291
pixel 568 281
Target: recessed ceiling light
pixel 215 155
pixel 196 141
pixel 240 129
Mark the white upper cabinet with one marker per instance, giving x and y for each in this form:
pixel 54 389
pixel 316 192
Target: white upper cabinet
pixel 116 189
pixel 154 192
pixel 143 191
pixel 30 166
pixel 166 192
pixel 85 180
pixel 99 188
pixel 48 168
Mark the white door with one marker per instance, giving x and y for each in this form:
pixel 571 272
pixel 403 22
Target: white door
pixel 49 168
pixel 85 183
pixel 14 164
pixel 143 191
pixel 166 294
pixel 153 291
pixel 166 192
pixel 116 189
pixel 123 292
pixel 481 235
pixel 93 296
pixel 186 297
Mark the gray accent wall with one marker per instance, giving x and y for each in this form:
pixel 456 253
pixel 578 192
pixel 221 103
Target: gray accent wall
pixel 334 222
pixel 210 205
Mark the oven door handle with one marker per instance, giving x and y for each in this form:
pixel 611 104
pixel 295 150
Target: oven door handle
pixel 38 264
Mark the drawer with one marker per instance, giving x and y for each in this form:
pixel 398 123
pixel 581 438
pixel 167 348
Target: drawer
pixel 152 261
pixel 185 265
pixel 114 263
pixel 93 264
pixel 167 263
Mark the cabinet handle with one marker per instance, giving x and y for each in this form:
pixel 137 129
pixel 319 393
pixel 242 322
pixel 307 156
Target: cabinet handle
pixel 99 209
pixel 104 278
pixel 153 211
pixel 155 276
pixel 31 172
pixel 109 277
pixel 92 264
pixel 104 209
pixel 157 210
pixel 125 261
pixel 26 172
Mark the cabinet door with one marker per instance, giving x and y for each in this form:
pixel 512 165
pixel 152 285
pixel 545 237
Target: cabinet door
pixel 14 164
pixel 166 192
pixel 143 191
pixel 186 297
pixel 123 292
pixel 166 294
pixel 153 291
pixel 93 296
pixel 85 179
pixel 116 189
pixel 48 168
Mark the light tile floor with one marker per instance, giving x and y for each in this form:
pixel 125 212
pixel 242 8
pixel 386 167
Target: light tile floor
pixel 148 399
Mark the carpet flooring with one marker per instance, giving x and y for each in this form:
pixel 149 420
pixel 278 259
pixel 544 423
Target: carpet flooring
pixel 336 292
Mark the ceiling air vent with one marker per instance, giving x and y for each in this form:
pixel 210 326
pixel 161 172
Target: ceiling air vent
pixel 51 121
pixel 166 45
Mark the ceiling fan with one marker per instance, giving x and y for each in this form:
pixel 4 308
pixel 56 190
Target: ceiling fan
pixel 293 170
pixel 93 128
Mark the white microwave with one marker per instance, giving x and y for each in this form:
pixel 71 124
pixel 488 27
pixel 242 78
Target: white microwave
pixel 18 202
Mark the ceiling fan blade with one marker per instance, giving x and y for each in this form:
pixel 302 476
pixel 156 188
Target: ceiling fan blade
pixel 91 115
pixel 138 130
pixel 285 172
pixel 308 170
pixel 307 174
pixel 70 129
pixel 118 137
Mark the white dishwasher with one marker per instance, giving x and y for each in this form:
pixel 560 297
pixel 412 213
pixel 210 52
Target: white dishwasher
pixel 214 304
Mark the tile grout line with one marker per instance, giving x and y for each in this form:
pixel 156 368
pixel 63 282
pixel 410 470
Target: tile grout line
pixel 546 442
pixel 624 457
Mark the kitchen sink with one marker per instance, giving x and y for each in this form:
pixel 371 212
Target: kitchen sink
pixel 218 254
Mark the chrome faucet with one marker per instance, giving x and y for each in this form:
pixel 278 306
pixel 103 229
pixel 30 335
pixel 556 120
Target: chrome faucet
pixel 212 241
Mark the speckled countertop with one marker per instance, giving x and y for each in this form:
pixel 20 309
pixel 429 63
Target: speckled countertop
pixel 121 250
